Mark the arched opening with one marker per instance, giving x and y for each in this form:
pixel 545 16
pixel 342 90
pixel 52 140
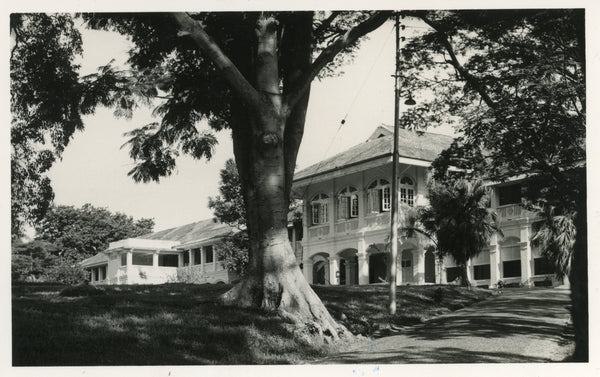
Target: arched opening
pixel 378 268
pixel 319 272
pixel 429 266
pixel 348 267
pixel 407 266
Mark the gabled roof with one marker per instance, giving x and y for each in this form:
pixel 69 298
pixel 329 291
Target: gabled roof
pixel 97 259
pixel 424 146
pixel 200 230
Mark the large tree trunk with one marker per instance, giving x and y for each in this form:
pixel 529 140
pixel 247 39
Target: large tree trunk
pixel 266 142
pixel 274 280
pixel 578 278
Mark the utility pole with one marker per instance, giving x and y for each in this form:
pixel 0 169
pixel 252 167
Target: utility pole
pixel 394 193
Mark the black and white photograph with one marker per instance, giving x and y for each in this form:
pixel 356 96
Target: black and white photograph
pixel 351 187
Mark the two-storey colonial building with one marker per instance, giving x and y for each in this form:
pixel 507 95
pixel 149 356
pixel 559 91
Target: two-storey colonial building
pixel 347 202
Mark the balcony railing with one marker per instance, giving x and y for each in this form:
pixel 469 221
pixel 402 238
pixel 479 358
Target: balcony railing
pixel 510 212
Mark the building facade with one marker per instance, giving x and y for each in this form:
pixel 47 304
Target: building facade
pixel 183 253
pixel 347 202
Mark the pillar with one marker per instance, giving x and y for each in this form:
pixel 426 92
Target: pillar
pixel 363 262
pixel 420 266
pixel 191 257
pixel 202 259
pixel 180 260
pixel 334 270
pixel 363 269
pixel 307 270
pixel 494 261
pixel 129 263
pixel 525 256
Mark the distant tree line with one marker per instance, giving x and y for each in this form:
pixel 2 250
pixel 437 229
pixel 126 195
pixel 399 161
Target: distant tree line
pixel 66 236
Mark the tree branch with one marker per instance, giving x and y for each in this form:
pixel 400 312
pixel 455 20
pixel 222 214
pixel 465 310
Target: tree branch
pixel 329 53
pixel 472 80
pixel 241 86
pixel 326 22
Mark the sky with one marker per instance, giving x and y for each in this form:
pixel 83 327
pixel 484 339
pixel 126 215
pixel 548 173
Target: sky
pixel 94 167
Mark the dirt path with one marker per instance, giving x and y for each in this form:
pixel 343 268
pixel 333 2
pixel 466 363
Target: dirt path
pixel 520 325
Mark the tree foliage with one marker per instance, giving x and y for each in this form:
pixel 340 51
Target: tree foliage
pixel 79 233
pixel 460 220
pixel 229 206
pixel 513 82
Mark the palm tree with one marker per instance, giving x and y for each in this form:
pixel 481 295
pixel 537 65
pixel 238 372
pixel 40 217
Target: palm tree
pixel 460 219
pixel 555 236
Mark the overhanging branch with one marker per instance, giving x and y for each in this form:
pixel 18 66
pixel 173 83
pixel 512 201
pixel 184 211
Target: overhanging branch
pixel 192 28
pixel 472 80
pixel 329 53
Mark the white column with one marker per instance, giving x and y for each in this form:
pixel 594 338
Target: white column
pixel 307 270
pixel 180 260
pixel 191 257
pixel 494 261
pixel 334 270
pixel 202 259
pixel 129 264
pixel 443 275
pixel 420 266
pixel 525 256
pixel 526 264
pixel 363 262
pixel 363 269
pixel 155 262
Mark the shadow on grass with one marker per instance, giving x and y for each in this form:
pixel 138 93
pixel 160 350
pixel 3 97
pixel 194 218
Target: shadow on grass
pixel 139 325
pixel 179 324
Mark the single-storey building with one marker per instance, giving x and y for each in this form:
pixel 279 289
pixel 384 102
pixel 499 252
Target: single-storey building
pixel 186 252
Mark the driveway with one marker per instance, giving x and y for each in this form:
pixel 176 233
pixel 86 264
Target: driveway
pixel 520 325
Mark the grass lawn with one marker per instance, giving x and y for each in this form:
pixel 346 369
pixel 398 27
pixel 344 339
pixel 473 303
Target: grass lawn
pixel 177 324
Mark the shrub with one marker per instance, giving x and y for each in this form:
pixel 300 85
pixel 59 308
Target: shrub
pixel 65 273
pixel 233 252
pixel 82 290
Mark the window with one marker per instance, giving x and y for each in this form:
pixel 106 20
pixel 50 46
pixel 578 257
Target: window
pixel 197 256
pixel 318 210
pixel 481 272
pixel 168 260
pixel 509 195
pixel 347 203
pixel 453 273
pixel 511 268
pixel 406 263
pixel 542 266
pixel 208 254
pixel 102 271
pixel 139 259
pixel 123 259
pixel 378 196
pixel 407 191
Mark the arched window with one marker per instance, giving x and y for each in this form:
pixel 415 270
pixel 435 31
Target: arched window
pixel 378 196
pixel 407 191
pixel 318 211
pixel 347 202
